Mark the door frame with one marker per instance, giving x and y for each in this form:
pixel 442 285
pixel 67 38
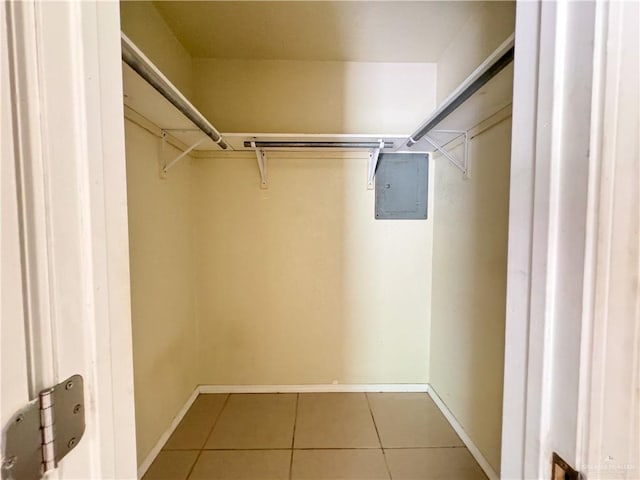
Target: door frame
pixel 608 437
pixel 65 64
pixel 535 207
pixel 558 364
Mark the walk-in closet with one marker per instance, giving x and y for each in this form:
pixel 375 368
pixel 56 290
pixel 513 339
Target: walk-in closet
pixel 318 198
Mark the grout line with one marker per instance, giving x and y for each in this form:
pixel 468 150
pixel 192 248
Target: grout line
pixel 291 465
pixel 337 448
pixel 164 438
pixel 283 449
pixel 366 395
pixel 215 422
pixel 295 421
pixel 288 448
pixel 293 437
pixel 463 435
pixel 228 449
pixel 439 447
pixel 194 465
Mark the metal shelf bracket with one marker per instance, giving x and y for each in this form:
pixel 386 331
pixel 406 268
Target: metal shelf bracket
pixel 461 163
pixel 166 165
pixel 261 157
pixel 374 155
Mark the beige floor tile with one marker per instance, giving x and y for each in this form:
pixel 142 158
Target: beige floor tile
pixel 367 464
pixel 433 464
pixel 172 465
pixel 197 423
pixel 242 464
pixel 255 421
pixel 411 420
pixel 335 420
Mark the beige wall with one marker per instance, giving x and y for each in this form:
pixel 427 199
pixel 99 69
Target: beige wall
pixel 470 250
pixel 469 287
pixel 479 36
pixel 162 293
pixel 160 223
pixel 271 96
pixel 298 283
pixel 142 23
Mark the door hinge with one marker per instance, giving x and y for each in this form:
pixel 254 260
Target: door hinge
pixel 42 433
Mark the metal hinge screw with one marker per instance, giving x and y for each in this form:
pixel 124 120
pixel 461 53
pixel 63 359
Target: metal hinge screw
pixel 31 449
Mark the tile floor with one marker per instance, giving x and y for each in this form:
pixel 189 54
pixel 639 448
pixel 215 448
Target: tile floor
pixel 346 436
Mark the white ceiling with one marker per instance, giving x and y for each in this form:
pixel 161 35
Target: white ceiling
pixel 362 31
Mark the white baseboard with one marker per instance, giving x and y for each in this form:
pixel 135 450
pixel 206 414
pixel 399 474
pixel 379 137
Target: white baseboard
pixel 151 456
pixel 475 451
pixel 316 388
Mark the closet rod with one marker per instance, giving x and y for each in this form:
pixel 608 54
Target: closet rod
pixel 500 58
pixel 133 57
pixel 277 144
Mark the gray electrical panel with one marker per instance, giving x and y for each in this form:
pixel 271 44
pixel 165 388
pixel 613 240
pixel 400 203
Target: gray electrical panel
pixel 402 186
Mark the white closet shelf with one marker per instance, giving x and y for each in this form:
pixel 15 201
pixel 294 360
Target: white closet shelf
pixel 266 142
pixel 485 92
pixel 162 103
pixel 146 101
pixel 490 99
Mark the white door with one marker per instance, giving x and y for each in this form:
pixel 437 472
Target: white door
pixel 572 357
pixel 65 269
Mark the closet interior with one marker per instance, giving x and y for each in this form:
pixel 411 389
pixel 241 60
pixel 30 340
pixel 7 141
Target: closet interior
pixel 263 255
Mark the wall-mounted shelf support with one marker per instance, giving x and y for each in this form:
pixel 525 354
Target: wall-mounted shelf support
pixel 464 110
pixel 461 163
pixel 374 155
pixel 165 165
pixel 493 65
pixel 260 146
pixel 261 156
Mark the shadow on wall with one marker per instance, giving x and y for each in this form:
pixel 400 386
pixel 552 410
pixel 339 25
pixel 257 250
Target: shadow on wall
pixel 469 287
pixel 272 295
pixel 298 283
pixel 310 75
pixel 271 290
pixel 470 249
pixel 261 90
